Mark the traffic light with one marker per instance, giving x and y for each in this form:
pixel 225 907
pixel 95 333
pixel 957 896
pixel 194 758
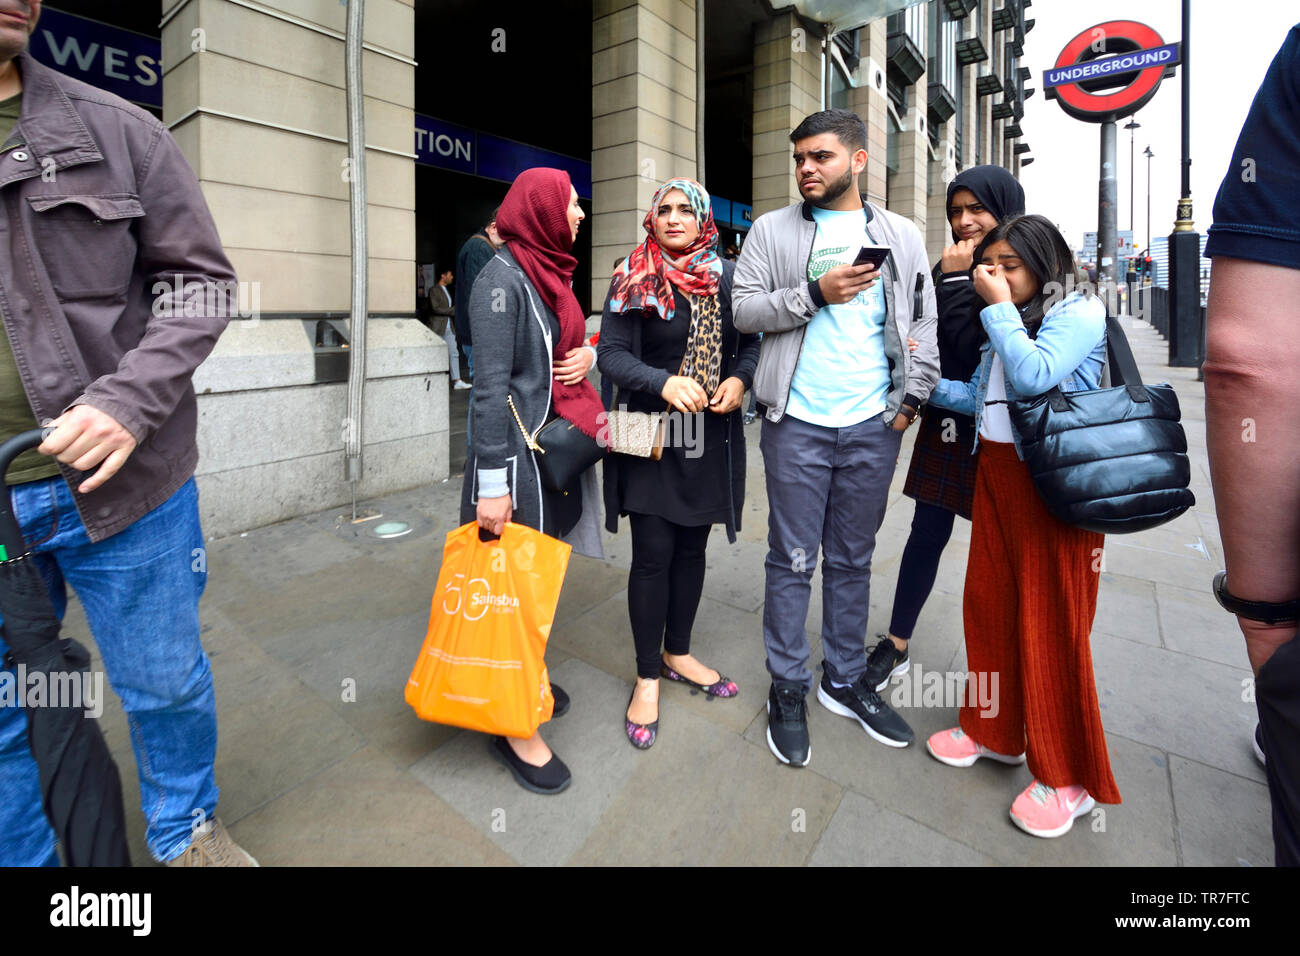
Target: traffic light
pixel 1137 265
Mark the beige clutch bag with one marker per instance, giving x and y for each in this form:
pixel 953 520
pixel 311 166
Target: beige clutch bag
pixel 640 434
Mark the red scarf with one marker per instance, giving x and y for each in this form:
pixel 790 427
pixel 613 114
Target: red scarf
pixel 534 222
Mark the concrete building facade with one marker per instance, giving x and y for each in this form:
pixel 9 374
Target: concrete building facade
pixel 458 98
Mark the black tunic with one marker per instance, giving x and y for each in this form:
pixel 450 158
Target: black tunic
pixel 700 479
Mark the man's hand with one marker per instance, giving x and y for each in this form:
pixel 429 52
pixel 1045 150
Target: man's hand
pixel 493 513
pixel 991 284
pixel 577 363
pixel 901 420
pixel 83 437
pixel 730 393
pixel 685 394
pixel 843 283
pixel 957 257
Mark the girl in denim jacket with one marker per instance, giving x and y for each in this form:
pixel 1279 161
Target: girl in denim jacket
pixel 1031 580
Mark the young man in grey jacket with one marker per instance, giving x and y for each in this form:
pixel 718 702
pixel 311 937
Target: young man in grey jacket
pixel 840 387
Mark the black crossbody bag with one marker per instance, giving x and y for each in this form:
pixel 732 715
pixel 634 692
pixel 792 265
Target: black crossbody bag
pixel 1110 460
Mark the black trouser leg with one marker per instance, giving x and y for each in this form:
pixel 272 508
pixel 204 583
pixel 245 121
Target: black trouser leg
pixel 685 585
pixel 663 587
pixel 931 529
pixel 1277 697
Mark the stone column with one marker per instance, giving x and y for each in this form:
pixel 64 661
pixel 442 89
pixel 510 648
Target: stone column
pixel 255 97
pixel 787 87
pixel 940 171
pixel 643 118
pixel 909 186
pixel 869 100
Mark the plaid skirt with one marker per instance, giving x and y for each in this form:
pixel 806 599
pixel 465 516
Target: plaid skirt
pixel 942 473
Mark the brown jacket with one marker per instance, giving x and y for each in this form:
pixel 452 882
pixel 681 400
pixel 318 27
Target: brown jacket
pixel 104 222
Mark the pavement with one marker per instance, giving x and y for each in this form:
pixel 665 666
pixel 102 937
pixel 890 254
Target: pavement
pixel 312 626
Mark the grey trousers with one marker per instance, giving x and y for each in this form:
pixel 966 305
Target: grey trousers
pixel 826 487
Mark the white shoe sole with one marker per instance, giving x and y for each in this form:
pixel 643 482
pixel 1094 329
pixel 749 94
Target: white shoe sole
pixel 1085 806
pixel 898 671
pixel 776 752
pixel 835 707
pixel 969 761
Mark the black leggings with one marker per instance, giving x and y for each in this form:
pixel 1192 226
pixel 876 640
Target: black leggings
pixel 931 529
pixel 664 587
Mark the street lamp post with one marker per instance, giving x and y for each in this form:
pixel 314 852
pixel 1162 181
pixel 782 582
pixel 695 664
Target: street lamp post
pixel 1148 154
pixel 1131 125
pixel 1186 322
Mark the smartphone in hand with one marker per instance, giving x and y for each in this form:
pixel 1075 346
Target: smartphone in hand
pixel 873 256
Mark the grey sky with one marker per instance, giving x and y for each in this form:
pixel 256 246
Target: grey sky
pixel 1232 46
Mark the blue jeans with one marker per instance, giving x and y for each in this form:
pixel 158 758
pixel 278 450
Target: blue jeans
pixel 140 589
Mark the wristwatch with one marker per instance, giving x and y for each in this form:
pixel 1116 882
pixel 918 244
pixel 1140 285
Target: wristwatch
pixel 1278 612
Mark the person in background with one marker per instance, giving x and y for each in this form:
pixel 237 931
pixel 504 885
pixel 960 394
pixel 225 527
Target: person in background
pixel 667 337
pixel 443 324
pixel 941 476
pixel 477 251
pixel 1251 427
pixel 1031 579
pixel 530 328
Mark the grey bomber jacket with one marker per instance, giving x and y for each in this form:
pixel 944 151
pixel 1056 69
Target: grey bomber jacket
pixel 772 295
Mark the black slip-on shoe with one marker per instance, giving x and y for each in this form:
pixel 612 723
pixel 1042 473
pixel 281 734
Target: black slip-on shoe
pixel 884 663
pixel 561 701
pixel 787 724
pixel 860 702
pixel 551 778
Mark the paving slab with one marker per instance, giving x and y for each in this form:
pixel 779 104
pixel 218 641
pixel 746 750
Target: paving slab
pixel 1189 618
pixel 531 828
pixel 1126 607
pixel 363 811
pixel 1223 819
pixel 701 797
pixel 863 833
pixel 1181 704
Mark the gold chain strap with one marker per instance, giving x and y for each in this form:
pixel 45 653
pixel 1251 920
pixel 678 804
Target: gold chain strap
pixel 529 440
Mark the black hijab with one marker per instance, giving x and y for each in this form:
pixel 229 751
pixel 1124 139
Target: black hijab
pixel 994 187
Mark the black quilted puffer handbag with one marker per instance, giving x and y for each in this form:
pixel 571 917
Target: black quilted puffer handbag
pixel 1111 460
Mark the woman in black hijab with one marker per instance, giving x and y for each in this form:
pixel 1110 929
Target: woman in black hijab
pixel 941 477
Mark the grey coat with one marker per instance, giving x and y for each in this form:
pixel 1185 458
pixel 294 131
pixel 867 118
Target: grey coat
pixel 772 295
pixel 513 332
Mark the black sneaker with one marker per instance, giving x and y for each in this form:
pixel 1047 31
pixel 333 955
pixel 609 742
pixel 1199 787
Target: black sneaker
pixel 787 723
pixel 884 663
pixel 868 708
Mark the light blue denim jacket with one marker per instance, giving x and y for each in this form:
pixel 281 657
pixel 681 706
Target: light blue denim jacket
pixel 1070 351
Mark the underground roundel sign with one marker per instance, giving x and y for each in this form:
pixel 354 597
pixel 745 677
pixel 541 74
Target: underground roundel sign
pixel 1110 70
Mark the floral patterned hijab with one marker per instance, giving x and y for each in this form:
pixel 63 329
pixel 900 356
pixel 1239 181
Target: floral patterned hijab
pixel 646 278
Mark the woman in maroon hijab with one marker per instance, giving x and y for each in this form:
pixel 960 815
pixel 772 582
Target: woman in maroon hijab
pixel 528 331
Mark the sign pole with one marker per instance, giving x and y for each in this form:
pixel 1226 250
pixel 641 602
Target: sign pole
pixel 1186 318
pixel 1107 229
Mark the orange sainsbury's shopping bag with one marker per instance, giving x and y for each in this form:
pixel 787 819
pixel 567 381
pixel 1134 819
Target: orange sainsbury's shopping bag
pixel 481 664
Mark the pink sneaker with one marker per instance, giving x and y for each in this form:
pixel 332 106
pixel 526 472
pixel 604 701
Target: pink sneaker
pixel 1047 812
pixel 956 749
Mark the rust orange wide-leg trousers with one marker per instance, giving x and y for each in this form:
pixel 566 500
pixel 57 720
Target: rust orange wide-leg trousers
pixel 1029 601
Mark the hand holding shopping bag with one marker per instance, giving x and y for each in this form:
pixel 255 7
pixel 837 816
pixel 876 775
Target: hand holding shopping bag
pixel 481 664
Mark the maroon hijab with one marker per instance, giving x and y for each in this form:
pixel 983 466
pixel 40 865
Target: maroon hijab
pixel 533 221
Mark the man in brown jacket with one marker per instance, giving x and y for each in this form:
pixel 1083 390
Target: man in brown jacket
pixel 113 288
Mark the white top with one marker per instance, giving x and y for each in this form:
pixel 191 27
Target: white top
pixel 995 425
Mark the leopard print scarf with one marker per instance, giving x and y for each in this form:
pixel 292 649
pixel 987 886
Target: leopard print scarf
pixel 703 358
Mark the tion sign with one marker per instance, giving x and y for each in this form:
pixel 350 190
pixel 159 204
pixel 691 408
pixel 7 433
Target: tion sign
pixel 1110 70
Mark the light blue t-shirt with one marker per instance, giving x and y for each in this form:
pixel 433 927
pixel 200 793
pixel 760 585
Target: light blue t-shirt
pixel 843 374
